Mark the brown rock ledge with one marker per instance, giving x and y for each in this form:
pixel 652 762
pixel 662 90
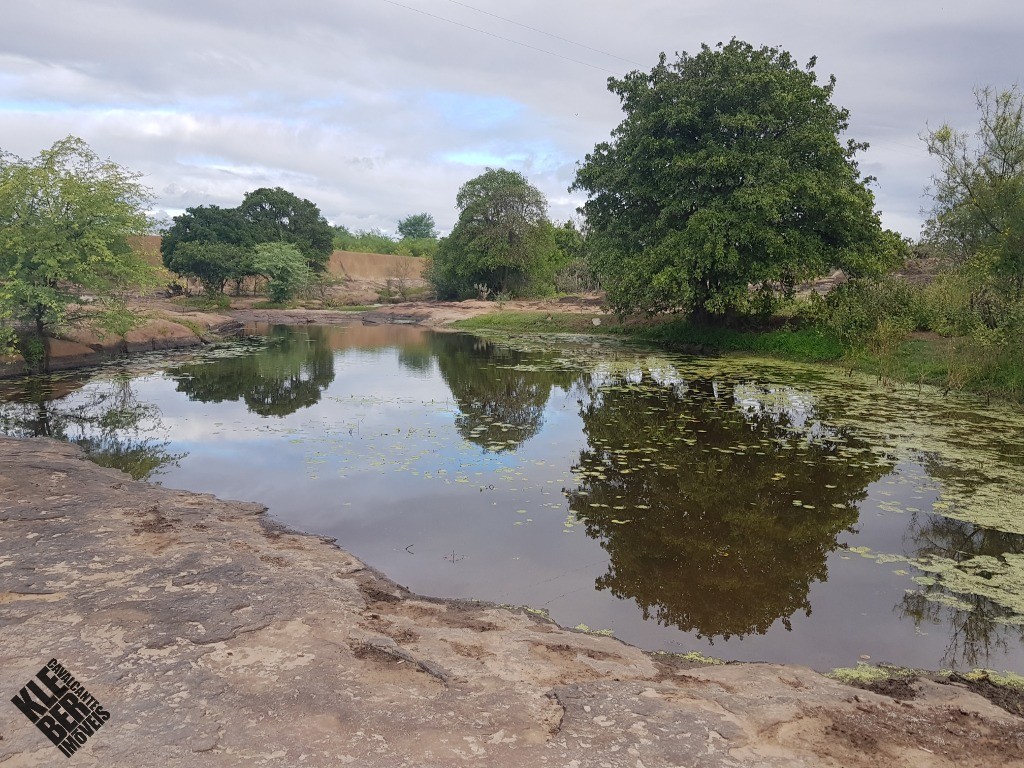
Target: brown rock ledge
pixel 215 638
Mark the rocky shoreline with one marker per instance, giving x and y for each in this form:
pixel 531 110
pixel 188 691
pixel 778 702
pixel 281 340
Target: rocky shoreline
pixel 214 637
pixel 77 348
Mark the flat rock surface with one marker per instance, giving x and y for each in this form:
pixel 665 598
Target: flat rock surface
pixel 214 638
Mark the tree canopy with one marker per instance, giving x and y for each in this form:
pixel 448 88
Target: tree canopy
pixel 65 220
pixel 726 172
pixel 278 215
pixel 214 244
pixel 417 226
pixel 503 239
pixel 978 194
pixel 205 224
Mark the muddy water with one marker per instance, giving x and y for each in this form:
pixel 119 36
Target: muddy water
pixel 743 508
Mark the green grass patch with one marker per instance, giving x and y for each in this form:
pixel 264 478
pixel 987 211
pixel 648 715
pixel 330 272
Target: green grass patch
pixel 800 344
pixel 276 305
pixel 539 322
pixel 951 364
pixel 203 303
pixel 806 345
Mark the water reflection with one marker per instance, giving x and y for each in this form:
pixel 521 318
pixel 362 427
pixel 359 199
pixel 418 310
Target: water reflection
pixel 501 392
pixel 705 500
pixel 967 570
pixel 717 505
pixel 292 372
pixel 105 418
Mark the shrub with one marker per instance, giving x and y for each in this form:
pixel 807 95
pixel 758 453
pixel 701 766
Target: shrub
pixel 869 315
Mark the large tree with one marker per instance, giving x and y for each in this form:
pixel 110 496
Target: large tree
pixel 205 224
pixel 503 239
pixel 726 173
pixel 65 221
pixel 211 244
pixel 978 209
pixel 278 215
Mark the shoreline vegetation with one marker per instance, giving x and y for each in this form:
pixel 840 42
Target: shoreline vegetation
pixel 952 364
pixel 916 358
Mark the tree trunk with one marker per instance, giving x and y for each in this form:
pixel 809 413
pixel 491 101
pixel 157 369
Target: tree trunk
pixel 38 354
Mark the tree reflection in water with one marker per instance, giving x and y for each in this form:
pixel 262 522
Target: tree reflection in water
pixel 500 406
pixel 103 417
pixel 960 554
pixel 291 373
pixel 717 504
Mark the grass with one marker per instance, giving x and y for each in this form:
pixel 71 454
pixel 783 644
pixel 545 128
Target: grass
pixel 276 305
pixel 950 364
pixel 538 322
pixel 794 344
pixel 203 303
pixel 802 344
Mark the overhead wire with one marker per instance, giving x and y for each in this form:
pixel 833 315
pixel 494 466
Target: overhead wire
pixel 501 37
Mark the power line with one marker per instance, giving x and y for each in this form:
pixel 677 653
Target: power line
pixel 549 34
pixel 499 37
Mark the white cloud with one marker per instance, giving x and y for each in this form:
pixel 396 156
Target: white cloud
pixel 375 111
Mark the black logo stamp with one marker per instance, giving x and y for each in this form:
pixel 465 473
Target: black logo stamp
pixel 60 707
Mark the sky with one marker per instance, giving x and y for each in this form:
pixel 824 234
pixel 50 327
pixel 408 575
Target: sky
pixel 378 109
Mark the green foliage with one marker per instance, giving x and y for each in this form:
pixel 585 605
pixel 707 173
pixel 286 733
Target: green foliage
pixel 284 265
pixel 212 263
pixel 417 246
pixel 726 172
pixel 363 240
pixel 276 215
pixel 204 224
pixel 803 344
pixel 203 303
pixel 576 274
pixel 978 194
pixel 503 239
pixel 65 220
pixel 870 315
pixel 418 226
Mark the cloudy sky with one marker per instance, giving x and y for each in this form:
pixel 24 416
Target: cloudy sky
pixel 381 108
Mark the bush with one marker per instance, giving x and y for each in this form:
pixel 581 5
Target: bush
pixel 417 246
pixel 284 266
pixel 869 315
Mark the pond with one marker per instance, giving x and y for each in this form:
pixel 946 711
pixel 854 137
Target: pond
pixel 743 508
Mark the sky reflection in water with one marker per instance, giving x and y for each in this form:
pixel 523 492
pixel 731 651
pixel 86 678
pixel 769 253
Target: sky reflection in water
pixel 743 508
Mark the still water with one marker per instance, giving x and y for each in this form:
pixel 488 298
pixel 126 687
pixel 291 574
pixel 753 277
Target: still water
pixel 743 508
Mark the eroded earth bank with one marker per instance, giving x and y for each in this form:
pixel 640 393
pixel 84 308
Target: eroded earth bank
pixel 214 638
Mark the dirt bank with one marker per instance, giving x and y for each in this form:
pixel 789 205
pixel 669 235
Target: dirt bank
pixel 213 638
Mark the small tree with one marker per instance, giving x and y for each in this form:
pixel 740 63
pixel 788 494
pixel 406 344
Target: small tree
pixel 726 172
pixel 978 194
pixel 285 268
pixel 503 239
pixel 417 226
pixel 65 220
